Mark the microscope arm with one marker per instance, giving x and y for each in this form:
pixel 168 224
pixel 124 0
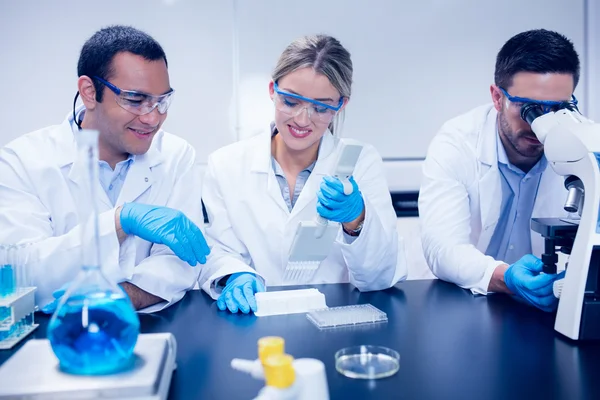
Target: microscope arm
pixel 572 148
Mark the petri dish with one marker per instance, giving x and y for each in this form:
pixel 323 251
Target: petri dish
pixel 367 362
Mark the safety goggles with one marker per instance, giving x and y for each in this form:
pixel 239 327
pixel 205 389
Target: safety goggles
pixel 546 105
pixel 137 102
pixel 293 105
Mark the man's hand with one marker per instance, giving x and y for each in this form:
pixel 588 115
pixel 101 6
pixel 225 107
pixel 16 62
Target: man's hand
pixel 139 297
pixel 497 284
pixel 525 279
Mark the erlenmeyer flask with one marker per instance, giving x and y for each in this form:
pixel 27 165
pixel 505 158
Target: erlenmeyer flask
pixel 95 327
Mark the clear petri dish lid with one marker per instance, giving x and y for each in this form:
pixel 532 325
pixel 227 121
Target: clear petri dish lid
pixel 367 362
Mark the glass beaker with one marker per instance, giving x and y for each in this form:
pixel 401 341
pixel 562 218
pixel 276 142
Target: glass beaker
pixel 95 327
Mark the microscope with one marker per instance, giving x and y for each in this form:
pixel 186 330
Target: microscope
pixel 572 148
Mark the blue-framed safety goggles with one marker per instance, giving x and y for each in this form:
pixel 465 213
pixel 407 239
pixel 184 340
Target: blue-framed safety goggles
pixel 293 105
pixel 546 105
pixel 137 102
pixel 308 99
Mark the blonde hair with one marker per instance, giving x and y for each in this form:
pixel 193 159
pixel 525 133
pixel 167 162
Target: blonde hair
pixel 327 56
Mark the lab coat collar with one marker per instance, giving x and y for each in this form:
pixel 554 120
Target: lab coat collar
pixel 261 161
pixel 261 164
pixel 490 192
pixel 66 146
pixel 487 150
pixel 324 166
pixel 139 177
pixel 66 153
pixel 548 201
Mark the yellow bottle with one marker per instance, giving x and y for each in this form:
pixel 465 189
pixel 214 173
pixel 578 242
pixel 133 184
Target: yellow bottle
pixel 280 378
pixel 268 346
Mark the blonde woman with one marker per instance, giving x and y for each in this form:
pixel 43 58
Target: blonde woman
pixel 256 191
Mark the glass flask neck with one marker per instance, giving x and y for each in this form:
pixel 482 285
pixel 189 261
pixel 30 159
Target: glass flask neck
pixel 87 143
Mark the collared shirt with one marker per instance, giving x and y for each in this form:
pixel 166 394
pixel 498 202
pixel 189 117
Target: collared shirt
pixel 512 237
pixel 111 180
pixel 283 184
pixel 289 198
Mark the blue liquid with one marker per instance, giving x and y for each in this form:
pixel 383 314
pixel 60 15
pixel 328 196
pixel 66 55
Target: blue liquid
pixel 4 313
pixel 7 280
pixel 96 339
pixel 4 322
pixel 11 331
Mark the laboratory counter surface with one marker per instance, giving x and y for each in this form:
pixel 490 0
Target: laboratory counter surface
pixel 452 345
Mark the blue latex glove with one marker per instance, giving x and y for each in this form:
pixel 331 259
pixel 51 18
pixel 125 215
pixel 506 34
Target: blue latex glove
pixel 239 293
pixel 334 205
pixel 57 294
pixel 525 280
pixel 163 225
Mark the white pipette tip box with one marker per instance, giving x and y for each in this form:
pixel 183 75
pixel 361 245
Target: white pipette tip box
pixel 335 317
pixel 289 302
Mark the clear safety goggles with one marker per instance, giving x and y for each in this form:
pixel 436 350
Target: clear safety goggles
pixel 137 102
pixel 294 104
pixel 546 105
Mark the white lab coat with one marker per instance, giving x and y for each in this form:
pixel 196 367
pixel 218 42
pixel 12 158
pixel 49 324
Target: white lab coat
pixel 39 193
pixel 251 229
pixel 461 197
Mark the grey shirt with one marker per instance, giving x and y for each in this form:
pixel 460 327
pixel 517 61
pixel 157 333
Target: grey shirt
pixel 289 198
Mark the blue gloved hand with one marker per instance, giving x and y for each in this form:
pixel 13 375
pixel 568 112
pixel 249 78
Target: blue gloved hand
pixel 525 280
pixel 239 293
pixel 57 294
pixel 334 205
pixel 163 225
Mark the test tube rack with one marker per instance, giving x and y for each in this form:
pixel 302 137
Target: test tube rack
pixel 16 316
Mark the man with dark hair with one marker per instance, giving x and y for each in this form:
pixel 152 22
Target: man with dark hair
pixel 485 177
pixel 148 197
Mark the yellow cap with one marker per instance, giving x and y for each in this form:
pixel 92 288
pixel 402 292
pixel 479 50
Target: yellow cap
pixel 269 345
pixel 279 371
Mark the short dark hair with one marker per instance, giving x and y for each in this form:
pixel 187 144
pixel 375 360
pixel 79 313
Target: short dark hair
pixel 98 52
pixel 539 51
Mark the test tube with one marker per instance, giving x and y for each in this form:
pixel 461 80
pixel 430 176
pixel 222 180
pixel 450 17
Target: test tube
pixel 7 279
pixel 5 323
pixel 24 256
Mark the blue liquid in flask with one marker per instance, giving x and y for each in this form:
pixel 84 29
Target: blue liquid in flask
pixel 95 334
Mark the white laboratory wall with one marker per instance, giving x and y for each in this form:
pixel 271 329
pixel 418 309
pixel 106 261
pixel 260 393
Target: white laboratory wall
pixel 416 63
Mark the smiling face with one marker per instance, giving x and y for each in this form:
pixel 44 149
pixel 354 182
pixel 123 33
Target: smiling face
pixel 303 132
pixel 122 132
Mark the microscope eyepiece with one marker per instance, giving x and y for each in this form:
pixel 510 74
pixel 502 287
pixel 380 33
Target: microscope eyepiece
pixel 529 112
